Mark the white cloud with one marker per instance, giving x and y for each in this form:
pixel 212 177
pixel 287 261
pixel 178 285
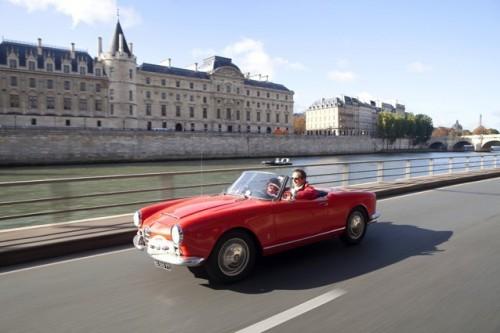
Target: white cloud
pixel 84 11
pixel 418 67
pixel 251 56
pixel 342 76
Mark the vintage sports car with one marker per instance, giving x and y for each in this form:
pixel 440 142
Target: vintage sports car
pixel 220 236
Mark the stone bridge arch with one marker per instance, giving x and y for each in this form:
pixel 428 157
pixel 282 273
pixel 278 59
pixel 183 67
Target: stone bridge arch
pixel 438 145
pixel 487 146
pixel 460 145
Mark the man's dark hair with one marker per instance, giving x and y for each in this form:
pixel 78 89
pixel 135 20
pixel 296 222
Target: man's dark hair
pixel 303 174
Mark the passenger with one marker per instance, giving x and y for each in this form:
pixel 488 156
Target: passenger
pixel 300 187
pixel 273 187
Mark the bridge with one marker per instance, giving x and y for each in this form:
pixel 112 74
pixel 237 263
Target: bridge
pixel 459 143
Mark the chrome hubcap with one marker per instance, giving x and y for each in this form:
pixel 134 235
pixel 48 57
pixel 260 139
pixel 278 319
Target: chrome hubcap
pixel 233 257
pixel 356 226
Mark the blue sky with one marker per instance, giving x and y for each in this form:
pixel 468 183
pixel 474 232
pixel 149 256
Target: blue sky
pixel 440 58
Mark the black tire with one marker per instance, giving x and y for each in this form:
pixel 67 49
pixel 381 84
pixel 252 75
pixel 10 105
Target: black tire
pixel 232 258
pixel 355 228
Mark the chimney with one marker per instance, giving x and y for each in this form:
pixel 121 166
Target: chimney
pixel 131 48
pixel 99 45
pixel 196 66
pixel 169 62
pixel 72 50
pixel 39 49
pixel 120 43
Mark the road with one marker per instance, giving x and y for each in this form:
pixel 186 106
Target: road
pixel 432 264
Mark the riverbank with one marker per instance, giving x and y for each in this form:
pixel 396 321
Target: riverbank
pixel 56 146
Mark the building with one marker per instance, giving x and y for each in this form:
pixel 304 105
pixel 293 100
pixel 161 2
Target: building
pixel 341 116
pixel 47 86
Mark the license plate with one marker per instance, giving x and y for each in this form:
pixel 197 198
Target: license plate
pixel 163 265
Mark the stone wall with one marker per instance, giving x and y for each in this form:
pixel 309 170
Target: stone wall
pixel 42 146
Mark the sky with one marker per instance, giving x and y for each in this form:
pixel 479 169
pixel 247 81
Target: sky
pixel 440 58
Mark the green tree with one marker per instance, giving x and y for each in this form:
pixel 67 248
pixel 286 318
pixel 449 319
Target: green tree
pixel 424 128
pixel 493 131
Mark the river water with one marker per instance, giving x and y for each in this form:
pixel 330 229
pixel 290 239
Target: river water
pixel 324 176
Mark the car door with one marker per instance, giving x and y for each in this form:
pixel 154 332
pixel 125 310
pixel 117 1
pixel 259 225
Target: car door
pixel 298 219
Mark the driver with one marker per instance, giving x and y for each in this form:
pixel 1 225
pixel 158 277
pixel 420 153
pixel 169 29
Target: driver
pixel 273 187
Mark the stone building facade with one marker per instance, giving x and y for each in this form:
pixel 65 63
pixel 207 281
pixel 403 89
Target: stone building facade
pixel 43 86
pixel 346 115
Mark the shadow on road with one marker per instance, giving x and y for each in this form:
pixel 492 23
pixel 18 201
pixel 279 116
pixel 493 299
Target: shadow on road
pixel 331 261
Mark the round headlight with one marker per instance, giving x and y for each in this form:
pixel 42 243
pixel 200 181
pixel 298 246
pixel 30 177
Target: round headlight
pixel 138 219
pixel 176 233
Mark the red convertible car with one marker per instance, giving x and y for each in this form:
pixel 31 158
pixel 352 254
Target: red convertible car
pixel 222 235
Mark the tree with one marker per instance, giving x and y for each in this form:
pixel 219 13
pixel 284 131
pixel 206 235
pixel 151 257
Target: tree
pixel 299 124
pixel 440 132
pixel 493 131
pixel 480 130
pixel 424 128
pixel 466 132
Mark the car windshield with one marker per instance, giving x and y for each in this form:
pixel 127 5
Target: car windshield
pixel 256 184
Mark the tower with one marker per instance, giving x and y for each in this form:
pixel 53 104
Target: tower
pixel 121 66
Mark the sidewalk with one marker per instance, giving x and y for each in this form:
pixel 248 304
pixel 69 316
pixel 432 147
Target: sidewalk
pixel 54 240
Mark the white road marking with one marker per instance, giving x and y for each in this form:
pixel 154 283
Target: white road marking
pixel 64 261
pixel 291 313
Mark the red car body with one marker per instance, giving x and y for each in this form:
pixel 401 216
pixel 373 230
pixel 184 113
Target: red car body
pixel 273 225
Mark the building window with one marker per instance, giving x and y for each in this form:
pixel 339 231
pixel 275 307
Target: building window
pixel 286 107
pixel 163 82
pixel 258 104
pixel 13 81
pixel 177 111
pixel 68 122
pixel 191 85
pixel 248 104
pixel 97 87
pixel 277 96
pixel 99 123
pixel 238 90
pixel 177 97
pixel 83 86
pixel 205 127
pixel 67 85
pixel 98 72
pixel 204 86
pixel 111 108
pixel 218 87
pixel 220 128
pixel 130 95
pixel 98 105
pixel 163 95
pixel 248 115
pixel 248 129
pixel 258 116
pixel 148 80
pixel 31 67
pixel 267 95
pixel 33 102
pixel 218 113
pixel 277 106
pixel 66 69
pixel 14 101
pixel 51 102
pixel 82 104
pixel 164 110
pixel 32 82
pixel 258 129
pixel 191 112
pixel 33 121
pixel 192 127
pixel 178 84
pixel 83 70
pixel 228 114
pixel 131 110
pixel 248 92
pixel 277 117
pixel 191 98
pixel 286 118
pixel 13 63
pixel 148 94
pixel 130 74
pixel 205 100
pixel 67 103
pixel 164 124
pixel 258 93
pixel 228 89
pixel 268 117
pixel 237 114
pixel 286 97
pixel 148 109
pixel 50 84
pixel 205 114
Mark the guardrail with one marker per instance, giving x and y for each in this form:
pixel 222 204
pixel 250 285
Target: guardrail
pixel 54 200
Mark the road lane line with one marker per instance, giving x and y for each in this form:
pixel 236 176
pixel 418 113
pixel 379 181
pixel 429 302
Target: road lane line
pixel 291 313
pixel 64 261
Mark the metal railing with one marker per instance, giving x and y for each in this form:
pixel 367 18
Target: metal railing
pixel 54 200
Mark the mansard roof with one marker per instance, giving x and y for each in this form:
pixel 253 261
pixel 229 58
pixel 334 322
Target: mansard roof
pixel 266 84
pixel 212 63
pixel 115 43
pixel 173 71
pixel 24 50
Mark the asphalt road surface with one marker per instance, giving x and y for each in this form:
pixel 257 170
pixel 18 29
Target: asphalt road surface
pixel 432 264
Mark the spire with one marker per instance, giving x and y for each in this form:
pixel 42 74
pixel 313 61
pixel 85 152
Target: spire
pixel 117 43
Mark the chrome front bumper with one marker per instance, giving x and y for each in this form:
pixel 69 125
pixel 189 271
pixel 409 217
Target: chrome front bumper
pixel 164 251
pixel 374 217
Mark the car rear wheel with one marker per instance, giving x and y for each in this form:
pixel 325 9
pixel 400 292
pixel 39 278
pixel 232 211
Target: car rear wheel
pixel 355 227
pixel 232 259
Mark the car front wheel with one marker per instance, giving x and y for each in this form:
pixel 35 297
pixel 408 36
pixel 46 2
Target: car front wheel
pixel 355 227
pixel 232 259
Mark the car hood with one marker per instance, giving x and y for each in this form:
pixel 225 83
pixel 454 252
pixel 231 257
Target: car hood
pixel 200 204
